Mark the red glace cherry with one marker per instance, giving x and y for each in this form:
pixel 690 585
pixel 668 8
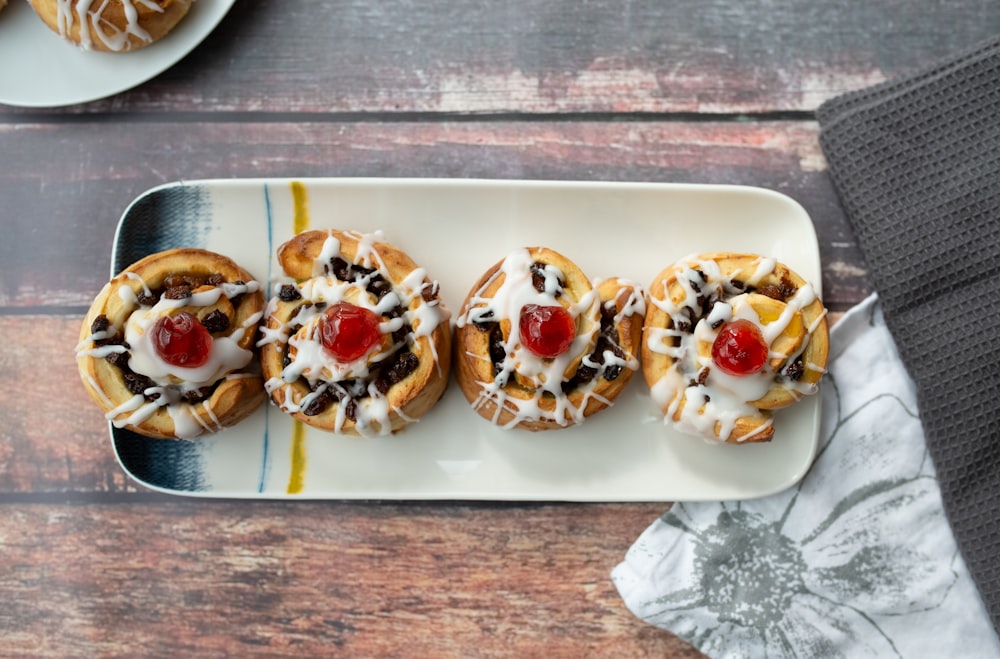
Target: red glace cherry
pixel 348 331
pixel 181 340
pixel 739 349
pixel 547 331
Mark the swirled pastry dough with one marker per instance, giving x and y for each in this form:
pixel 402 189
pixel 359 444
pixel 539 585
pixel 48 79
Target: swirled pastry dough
pixel 148 376
pixel 515 386
pixel 690 303
pixel 111 25
pixel 325 373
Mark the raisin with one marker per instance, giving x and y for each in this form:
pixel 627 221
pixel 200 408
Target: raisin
pixel 216 322
pixel 612 372
pixel 180 292
pixel 147 300
pixel 319 403
pixel 686 324
pixel 379 287
pixel 482 321
pixel 100 324
pixel 771 291
pixel 352 389
pixel 406 364
pixel 429 292
pixel 215 279
pixel 351 410
pixel 795 370
pixel 197 395
pixel 136 383
pixel 119 359
pixel 289 293
pixel 399 336
pixel 787 288
pixel 497 352
pixel 340 268
pixel 538 279
pixel 583 374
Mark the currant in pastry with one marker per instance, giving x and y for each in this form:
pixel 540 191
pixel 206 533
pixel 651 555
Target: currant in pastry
pixel 539 346
pixel 356 339
pixel 728 339
pixel 167 347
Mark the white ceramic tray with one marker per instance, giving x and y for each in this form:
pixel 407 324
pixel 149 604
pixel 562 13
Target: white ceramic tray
pixel 42 70
pixel 456 229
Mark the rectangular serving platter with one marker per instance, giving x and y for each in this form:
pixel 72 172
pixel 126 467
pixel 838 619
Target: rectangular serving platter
pixel 456 229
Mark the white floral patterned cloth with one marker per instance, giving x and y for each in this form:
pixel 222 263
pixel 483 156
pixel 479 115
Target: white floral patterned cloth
pixel 857 560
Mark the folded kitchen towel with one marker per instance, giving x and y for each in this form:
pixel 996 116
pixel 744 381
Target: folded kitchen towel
pixel 857 560
pixel 916 163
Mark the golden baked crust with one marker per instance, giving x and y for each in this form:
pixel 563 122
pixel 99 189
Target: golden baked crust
pixel 111 25
pixel 391 385
pixel 510 386
pixel 678 334
pixel 116 353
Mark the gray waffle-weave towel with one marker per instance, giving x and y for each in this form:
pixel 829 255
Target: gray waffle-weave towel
pixel 916 163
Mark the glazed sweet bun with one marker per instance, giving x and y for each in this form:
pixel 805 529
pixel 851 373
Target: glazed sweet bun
pixel 728 339
pixel 357 341
pixel 539 346
pixel 167 347
pixel 111 25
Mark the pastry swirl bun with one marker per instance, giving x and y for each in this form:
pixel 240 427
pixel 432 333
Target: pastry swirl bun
pixel 111 25
pixel 393 381
pixel 690 303
pixel 138 385
pixel 513 386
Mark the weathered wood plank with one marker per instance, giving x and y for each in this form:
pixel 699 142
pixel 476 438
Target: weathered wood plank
pixel 67 189
pixel 361 579
pixel 559 56
pixel 53 438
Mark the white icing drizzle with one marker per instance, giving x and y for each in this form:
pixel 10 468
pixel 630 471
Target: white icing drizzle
pixel 113 37
pixel 309 360
pixel 711 408
pixel 171 382
pixel 541 376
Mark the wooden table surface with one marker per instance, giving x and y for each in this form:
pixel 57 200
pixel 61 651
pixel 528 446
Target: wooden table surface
pixel 705 91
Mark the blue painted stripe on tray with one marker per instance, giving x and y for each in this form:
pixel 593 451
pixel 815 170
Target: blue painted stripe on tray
pixel 172 216
pixel 267 405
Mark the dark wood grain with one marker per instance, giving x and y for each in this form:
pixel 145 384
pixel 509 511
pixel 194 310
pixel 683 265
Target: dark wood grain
pixel 531 56
pixel 312 579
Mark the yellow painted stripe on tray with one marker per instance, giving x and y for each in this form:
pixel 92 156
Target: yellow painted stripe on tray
pixel 300 201
pixel 297 477
pixel 300 223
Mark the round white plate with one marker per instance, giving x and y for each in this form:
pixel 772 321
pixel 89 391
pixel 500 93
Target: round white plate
pixel 40 69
